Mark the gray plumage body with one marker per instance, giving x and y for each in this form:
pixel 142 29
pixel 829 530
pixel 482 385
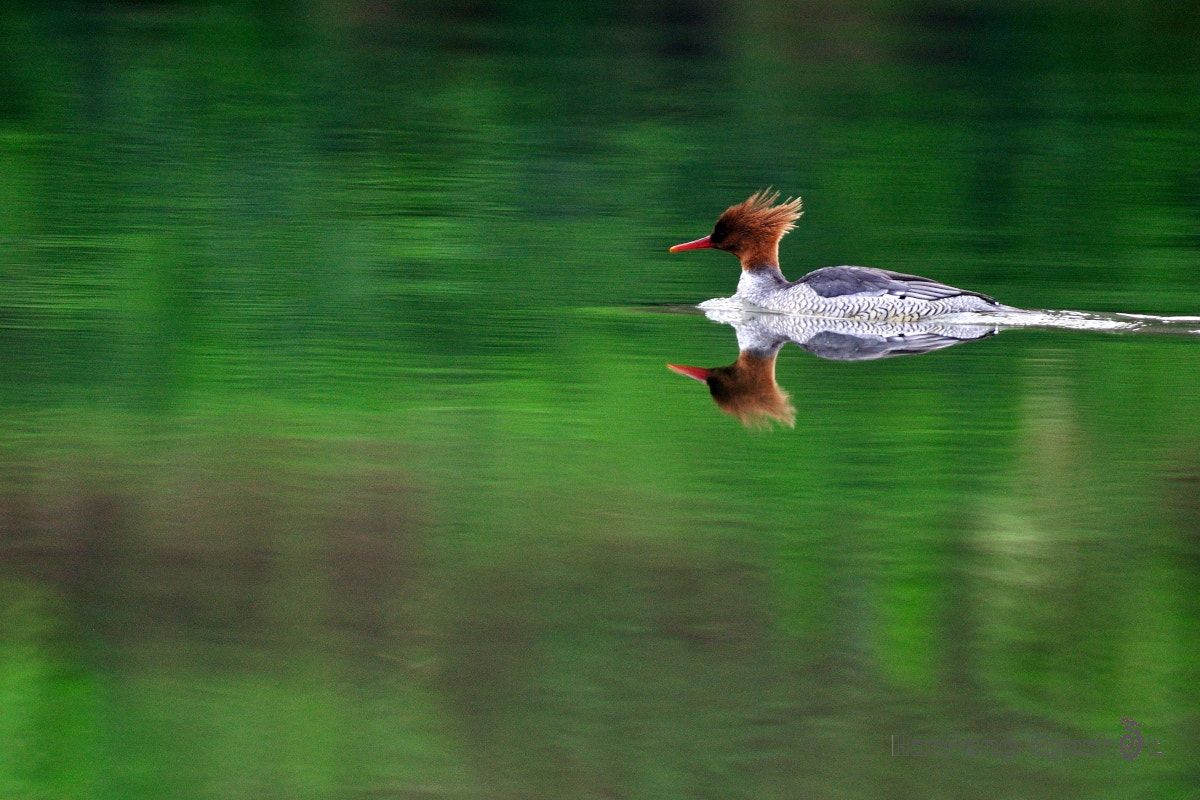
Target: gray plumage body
pixel 859 293
pixel 842 339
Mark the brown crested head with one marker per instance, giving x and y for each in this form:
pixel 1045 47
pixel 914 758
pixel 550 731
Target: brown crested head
pixel 751 230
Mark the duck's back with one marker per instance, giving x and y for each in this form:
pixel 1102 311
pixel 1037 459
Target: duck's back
pixel 839 281
pixel 862 293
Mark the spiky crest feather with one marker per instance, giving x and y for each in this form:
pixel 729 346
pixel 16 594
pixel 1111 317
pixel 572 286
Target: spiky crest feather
pixel 760 217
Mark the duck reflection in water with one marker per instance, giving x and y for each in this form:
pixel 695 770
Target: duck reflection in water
pixel 747 388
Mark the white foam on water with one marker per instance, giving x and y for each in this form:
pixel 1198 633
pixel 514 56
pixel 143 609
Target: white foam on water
pixel 727 309
pixel 1073 320
pixel 1153 318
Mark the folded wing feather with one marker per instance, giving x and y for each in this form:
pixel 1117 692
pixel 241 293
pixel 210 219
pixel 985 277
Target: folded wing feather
pixel 839 281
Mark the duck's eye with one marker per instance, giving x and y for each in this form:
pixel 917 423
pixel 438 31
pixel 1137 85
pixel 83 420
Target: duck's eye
pixel 720 233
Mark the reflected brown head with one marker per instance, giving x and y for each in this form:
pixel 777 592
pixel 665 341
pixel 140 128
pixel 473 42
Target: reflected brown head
pixel 746 389
pixel 751 230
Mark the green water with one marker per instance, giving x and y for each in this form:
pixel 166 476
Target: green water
pixel 339 457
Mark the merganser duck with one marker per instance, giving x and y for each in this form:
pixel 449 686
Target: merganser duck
pixel 752 230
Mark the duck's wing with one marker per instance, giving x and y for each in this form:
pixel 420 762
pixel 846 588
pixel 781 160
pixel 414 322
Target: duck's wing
pixel 839 281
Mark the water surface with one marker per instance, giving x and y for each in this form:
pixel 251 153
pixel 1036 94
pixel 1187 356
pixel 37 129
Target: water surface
pixel 340 457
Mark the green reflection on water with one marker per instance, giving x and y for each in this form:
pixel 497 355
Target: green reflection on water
pixel 339 460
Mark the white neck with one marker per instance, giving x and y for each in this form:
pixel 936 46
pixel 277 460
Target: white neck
pixel 758 280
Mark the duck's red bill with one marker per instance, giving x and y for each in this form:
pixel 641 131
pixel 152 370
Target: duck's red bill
pixel 699 244
pixel 696 373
